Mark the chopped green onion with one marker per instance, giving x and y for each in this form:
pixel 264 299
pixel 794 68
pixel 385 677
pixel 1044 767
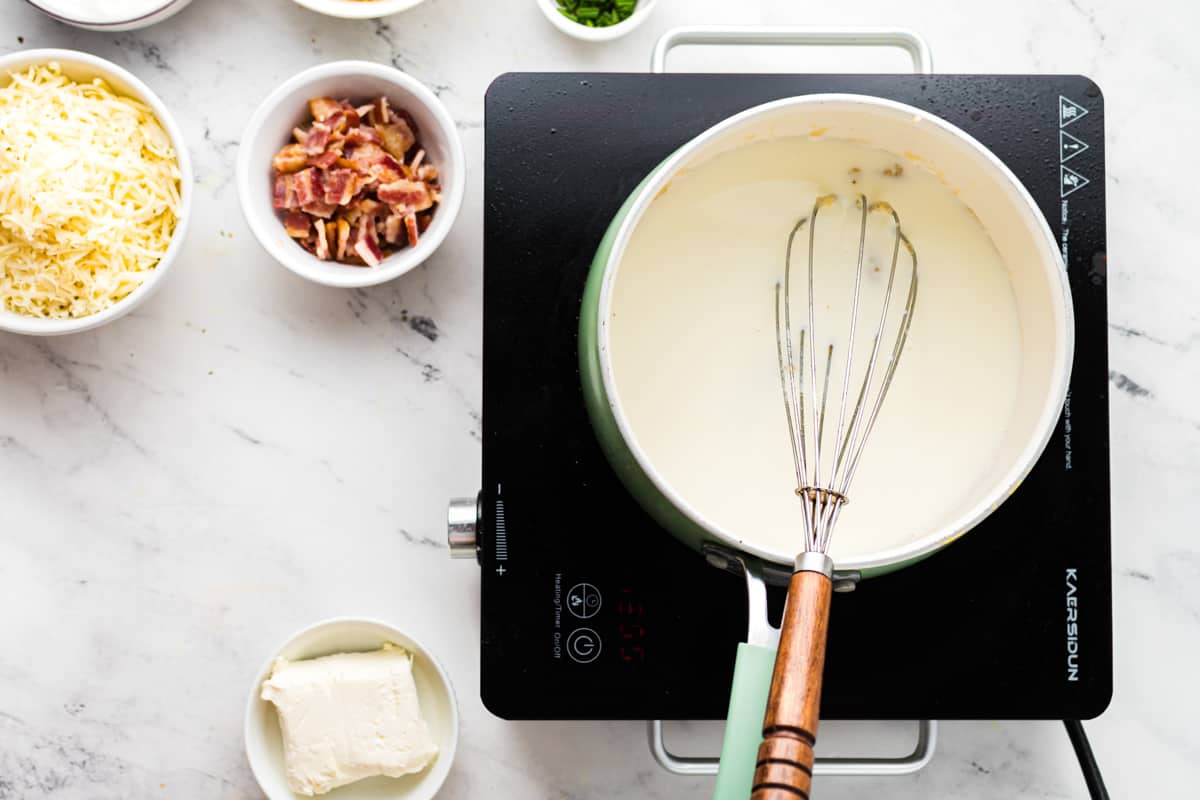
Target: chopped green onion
pixel 597 13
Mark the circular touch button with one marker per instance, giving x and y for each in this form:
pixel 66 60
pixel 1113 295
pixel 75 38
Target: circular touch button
pixel 583 645
pixel 583 600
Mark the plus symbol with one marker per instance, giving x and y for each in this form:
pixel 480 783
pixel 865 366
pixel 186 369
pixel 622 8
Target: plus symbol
pixel 500 570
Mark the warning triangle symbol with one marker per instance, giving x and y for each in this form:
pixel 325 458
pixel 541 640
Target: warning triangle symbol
pixel 1069 111
pixel 1069 146
pixel 1070 180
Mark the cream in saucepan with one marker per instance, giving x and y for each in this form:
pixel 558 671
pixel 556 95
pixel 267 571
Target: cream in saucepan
pixel 693 353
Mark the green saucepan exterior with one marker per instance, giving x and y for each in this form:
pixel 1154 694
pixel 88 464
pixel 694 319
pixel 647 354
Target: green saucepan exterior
pixel 987 186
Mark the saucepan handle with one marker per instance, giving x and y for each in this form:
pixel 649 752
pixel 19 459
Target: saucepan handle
pixel 743 726
pixel 906 40
pixel 753 671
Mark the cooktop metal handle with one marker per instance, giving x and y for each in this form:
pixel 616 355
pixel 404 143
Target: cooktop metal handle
pixel 908 41
pixel 921 755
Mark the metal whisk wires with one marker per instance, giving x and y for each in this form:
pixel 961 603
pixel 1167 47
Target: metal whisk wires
pixel 823 492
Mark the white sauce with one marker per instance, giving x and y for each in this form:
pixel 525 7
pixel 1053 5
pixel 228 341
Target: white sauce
pixel 693 342
pixel 103 10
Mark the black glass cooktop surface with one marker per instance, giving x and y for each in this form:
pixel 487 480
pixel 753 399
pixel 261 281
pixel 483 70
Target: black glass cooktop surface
pixel 591 611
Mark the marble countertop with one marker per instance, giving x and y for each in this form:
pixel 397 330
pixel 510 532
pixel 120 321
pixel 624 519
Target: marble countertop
pixel 248 453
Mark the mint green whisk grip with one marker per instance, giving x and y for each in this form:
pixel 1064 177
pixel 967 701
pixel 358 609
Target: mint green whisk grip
pixel 743 727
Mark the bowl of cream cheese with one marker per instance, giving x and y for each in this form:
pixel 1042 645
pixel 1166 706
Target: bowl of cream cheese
pixel 351 709
pixel 110 15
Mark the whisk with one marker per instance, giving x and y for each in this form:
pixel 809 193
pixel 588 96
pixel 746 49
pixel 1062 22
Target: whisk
pixel 823 478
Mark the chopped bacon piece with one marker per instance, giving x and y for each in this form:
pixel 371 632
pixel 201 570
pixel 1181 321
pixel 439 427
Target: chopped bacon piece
pixel 364 155
pixel 406 196
pixel 384 116
pixel 428 173
pixel 386 169
pixel 290 159
pixel 343 237
pixel 297 224
pixel 366 192
pixel 410 225
pixel 307 185
pixel 417 159
pixel 397 137
pixel 363 135
pixel 337 123
pixel 340 186
pixel 365 243
pixel 319 208
pixel 368 208
pixel 323 108
pixel 316 139
pixel 325 160
pixel 392 228
pixel 285 192
pixel 322 243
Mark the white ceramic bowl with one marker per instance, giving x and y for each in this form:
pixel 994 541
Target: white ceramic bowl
pixel 157 13
pixel 586 34
pixel 359 9
pixel 271 128
pixel 84 67
pixel 264 744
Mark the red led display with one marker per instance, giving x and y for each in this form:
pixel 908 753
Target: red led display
pixel 631 629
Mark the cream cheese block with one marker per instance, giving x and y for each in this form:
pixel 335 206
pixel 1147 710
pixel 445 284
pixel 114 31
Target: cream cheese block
pixel 349 716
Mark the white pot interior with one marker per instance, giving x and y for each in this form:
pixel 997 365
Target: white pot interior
pixel 1019 233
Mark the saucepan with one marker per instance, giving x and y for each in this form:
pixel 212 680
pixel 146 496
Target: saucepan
pixel 1043 302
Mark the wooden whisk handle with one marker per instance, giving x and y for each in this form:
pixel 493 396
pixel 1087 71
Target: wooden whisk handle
pixel 785 758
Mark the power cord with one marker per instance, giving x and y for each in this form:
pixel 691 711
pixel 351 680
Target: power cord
pixel 1087 761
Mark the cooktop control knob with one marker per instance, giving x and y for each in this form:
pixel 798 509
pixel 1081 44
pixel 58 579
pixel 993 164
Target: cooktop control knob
pixel 462 527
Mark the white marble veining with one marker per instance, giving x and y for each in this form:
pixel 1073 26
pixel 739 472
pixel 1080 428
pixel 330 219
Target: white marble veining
pixel 249 453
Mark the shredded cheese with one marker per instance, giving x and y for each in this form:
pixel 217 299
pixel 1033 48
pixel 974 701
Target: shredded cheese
pixel 89 194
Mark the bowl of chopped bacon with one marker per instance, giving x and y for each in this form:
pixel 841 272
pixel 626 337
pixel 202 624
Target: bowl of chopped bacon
pixel 351 173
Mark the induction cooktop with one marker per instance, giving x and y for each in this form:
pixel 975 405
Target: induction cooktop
pixel 591 611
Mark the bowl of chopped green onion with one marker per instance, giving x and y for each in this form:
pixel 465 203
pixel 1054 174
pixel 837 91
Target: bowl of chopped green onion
pixel 596 20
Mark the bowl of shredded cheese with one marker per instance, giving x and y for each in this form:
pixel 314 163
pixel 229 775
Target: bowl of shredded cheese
pixel 95 192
